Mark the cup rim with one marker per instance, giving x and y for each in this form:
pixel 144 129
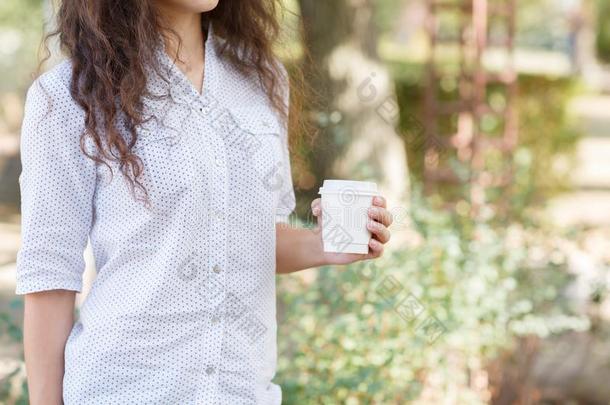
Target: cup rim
pixel 333 186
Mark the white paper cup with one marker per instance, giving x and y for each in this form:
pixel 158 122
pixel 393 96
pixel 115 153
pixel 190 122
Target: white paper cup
pixel 345 207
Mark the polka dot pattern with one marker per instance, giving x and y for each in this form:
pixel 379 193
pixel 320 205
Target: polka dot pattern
pixel 182 310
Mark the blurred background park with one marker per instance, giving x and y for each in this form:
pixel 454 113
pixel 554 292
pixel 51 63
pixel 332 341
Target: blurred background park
pixel 487 124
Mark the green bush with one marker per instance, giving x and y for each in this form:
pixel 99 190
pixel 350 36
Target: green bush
pixel 350 337
pixel 13 386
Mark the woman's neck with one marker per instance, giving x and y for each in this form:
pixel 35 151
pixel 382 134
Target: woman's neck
pixel 188 52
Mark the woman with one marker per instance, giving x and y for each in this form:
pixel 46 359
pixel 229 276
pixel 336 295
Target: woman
pixel 163 140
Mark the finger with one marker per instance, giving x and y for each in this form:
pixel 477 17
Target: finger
pixel 379 201
pixel 379 230
pixel 316 207
pixel 376 249
pixel 381 215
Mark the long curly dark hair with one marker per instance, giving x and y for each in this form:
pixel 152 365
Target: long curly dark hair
pixel 112 43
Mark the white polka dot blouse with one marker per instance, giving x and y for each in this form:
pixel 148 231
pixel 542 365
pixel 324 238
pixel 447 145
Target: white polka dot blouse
pixel 182 310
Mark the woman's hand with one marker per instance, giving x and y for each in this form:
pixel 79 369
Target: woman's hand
pixel 379 221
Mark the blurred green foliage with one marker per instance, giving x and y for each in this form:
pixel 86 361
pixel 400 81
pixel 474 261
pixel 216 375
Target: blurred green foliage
pixel 547 135
pixel 21 28
pixel 385 14
pixel 547 140
pixel 348 336
pixel 603 30
pixel 13 386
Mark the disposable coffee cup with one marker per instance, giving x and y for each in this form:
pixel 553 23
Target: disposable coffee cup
pixel 345 207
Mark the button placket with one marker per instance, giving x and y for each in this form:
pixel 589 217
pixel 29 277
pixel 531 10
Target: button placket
pixel 218 226
pixel 217 237
pixel 209 387
pixel 212 287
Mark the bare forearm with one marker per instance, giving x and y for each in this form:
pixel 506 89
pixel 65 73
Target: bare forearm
pixel 48 319
pixel 297 249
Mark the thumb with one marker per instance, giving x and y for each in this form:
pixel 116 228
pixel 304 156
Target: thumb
pixel 316 210
pixel 316 207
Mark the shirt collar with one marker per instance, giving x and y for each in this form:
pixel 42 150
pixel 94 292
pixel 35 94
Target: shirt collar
pixel 179 83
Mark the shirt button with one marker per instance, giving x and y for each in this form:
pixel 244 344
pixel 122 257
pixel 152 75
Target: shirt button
pixel 219 162
pixel 215 320
pixel 216 269
pixel 209 370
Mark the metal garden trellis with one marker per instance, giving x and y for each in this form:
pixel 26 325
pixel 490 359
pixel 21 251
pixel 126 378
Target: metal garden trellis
pixel 469 142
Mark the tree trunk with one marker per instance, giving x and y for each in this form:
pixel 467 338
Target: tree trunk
pixel 354 98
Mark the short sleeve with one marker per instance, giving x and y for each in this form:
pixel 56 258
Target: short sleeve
pixel 57 184
pixel 287 199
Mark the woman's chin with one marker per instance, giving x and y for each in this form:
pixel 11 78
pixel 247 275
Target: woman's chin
pixel 193 6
